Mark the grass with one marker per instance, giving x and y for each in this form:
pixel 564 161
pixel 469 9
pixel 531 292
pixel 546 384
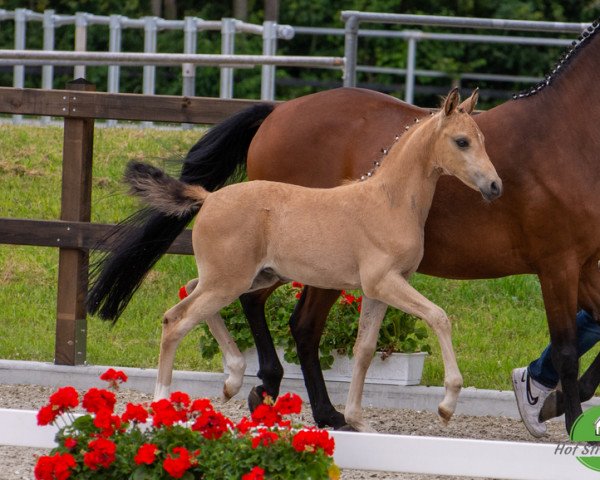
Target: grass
pixel 497 324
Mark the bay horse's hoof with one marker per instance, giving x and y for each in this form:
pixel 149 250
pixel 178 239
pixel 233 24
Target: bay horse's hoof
pixel 551 408
pixel 335 420
pixel 255 398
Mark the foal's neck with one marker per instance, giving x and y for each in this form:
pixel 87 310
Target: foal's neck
pixel 407 174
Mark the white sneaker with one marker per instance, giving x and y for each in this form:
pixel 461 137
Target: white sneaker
pixel 530 397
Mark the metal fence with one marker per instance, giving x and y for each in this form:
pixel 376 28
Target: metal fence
pixel 353 19
pixel 191 26
pixel 270 32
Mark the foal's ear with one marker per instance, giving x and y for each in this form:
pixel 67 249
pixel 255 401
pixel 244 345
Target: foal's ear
pixel 469 104
pixel 451 101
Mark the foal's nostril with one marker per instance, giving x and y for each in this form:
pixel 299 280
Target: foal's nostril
pixel 496 189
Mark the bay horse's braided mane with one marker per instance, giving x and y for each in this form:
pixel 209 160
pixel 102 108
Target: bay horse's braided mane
pixel 564 60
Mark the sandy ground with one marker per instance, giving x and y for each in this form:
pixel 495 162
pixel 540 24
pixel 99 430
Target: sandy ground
pixel 17 463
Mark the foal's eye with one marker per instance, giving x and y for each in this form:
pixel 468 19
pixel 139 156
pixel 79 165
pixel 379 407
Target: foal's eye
pixel 462 142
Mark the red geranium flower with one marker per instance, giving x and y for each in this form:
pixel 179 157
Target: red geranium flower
pixel 146 454
pixel 256 473
pixel 182 293
pixel 346 298
pixel 244 425
pixel 359 304
pixel 264 438
pixel 97 399
pixel 182 399
pixel 177 466
pixel 107 422
pixel 101 454
pixel 134 413
pixel 64 398
pixel 70 443
pixel 211 424
pixel 266 415
pixel 200 405
pixel 55 467
pixel 46 415
pixel 165 413
pixel 310 439
pixel 113 377
pixel 288 404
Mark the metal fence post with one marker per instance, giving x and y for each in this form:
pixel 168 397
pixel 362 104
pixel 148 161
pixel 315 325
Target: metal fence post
pixel 76 201
pixel 80 41
pixel 267 83
pixel 190 42
pixel 114 45
pixel 350 50
pixel 20 43
pixel 227 48
pixel 411 56
pixel 150 31
pixel 48 70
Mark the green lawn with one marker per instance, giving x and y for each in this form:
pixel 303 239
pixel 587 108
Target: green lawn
pixel 497 324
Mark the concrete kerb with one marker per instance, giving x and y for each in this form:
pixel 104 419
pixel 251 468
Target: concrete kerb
pixel 472 401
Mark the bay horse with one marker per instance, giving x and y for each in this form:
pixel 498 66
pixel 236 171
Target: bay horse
pixel 368 235
pixel 544 142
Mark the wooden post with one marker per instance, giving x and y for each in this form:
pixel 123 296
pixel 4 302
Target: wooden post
pixel 76 199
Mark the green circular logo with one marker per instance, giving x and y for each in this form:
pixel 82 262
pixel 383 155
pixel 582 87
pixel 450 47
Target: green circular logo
pixel 586 430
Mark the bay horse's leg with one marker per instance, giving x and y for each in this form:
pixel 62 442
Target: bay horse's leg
pixel 395 290
pixel 554 406
pixel 306 324
pixel 179 321
pixel 270 370
pixel 559 290
pixel 371 316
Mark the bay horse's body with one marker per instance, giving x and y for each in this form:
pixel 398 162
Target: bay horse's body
pixel 545 145
pixel 366 235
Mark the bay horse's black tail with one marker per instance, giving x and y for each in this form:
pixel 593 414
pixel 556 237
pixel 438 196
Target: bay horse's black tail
pixel 137 243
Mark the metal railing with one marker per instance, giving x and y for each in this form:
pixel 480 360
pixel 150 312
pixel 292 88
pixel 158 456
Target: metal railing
pixel 353 19
pixel 190 26
pixel 270 33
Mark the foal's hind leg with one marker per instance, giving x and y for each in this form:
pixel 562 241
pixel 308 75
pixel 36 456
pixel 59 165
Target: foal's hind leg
pixel 395 290
pixel 270 370
pixel 179 321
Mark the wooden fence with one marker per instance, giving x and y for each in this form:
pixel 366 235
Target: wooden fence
pixel 73 234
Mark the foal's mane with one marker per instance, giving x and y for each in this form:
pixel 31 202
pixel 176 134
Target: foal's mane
pixel 576 47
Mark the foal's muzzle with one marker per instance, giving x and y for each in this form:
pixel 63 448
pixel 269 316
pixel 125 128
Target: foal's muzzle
pixel 492 190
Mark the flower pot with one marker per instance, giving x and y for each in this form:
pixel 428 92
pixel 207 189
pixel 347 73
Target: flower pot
pixel 396 369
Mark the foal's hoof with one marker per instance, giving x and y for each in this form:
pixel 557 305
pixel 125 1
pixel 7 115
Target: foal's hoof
pixel 445 415
pixel 255 398
pixel 226 395
pixel 346 428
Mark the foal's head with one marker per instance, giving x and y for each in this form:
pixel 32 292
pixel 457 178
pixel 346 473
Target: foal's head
pixel 459 148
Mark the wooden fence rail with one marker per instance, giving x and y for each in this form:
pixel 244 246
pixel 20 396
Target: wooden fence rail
pixel 73 234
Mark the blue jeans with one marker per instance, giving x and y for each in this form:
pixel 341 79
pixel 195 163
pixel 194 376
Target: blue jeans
pixel 588 334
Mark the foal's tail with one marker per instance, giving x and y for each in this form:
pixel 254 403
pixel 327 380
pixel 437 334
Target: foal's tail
pixel 218 158
pixel 163 193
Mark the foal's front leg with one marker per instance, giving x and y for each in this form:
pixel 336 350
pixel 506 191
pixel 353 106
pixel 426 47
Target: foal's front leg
pixel 371 316
pixel 395 290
